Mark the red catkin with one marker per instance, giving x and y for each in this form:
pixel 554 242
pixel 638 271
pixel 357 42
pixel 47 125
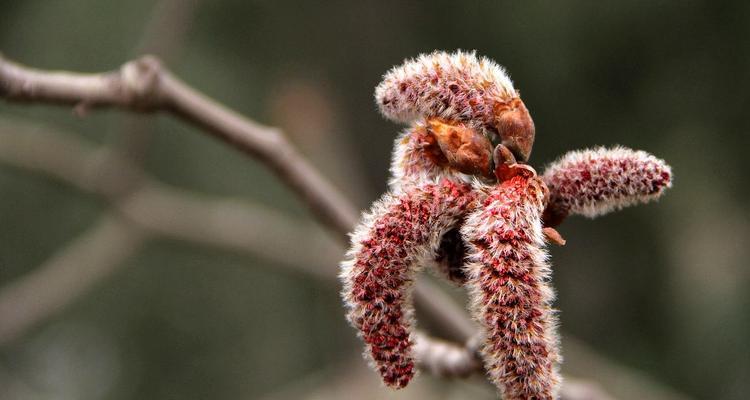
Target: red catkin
pixel 456 86
pixel 400 233
pixel 597 181
pixel 507 277
pixel 440 211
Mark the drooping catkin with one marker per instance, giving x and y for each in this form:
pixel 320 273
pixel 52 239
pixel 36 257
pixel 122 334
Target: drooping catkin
pixel 398 235
pixel 507 276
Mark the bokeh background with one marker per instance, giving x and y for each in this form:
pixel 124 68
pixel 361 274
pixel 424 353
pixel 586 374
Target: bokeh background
pixel 654 299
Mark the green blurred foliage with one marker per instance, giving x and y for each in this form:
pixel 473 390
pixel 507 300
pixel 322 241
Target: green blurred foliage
pixel 662 288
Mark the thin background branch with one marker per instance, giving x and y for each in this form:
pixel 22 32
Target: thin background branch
pixel 90 258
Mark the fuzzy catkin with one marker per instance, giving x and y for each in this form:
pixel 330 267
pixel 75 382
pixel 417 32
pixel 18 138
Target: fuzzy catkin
pixel 456 86
pixel 597 181
pixel 488 238
pixel 507 276
pixel 391 243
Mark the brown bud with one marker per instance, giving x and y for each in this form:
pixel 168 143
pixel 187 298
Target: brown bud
pixel 466 149
pixel 553 236
pixel 502 155
pixel 506 166
pixel 515 127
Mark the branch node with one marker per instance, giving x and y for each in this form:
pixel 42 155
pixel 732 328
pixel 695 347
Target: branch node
pixel 140 82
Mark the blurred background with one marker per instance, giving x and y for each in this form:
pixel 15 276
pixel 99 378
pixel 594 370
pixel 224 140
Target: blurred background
pixel 654 299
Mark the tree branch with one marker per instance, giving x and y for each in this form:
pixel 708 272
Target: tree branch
pixel 143 85
pixel 442 358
